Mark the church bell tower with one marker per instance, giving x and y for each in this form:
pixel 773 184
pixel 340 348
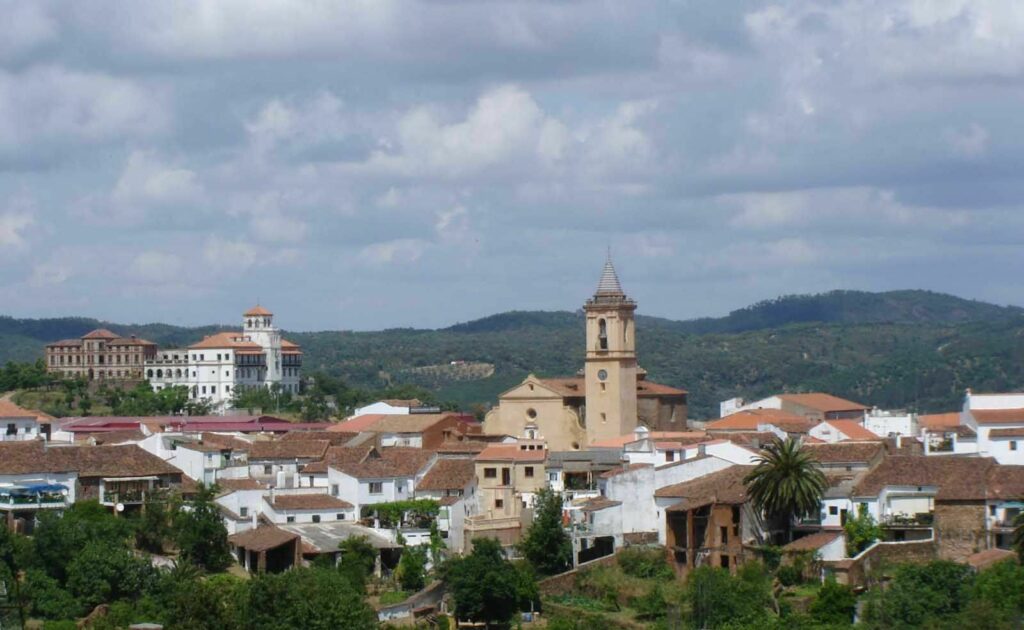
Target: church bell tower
pixel 611 369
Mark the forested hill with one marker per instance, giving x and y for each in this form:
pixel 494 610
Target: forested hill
pixel 912 349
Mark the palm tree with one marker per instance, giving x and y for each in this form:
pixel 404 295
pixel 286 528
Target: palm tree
pixel 1018 535
pixel 786 483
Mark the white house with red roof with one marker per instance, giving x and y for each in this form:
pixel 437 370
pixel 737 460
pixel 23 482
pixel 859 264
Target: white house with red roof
pixel 831 431
pixel 214 368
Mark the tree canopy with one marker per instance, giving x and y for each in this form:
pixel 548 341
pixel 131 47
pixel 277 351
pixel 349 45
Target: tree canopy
pixel 786 482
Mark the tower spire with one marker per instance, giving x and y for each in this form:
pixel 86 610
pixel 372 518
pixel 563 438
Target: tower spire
pixel 609 285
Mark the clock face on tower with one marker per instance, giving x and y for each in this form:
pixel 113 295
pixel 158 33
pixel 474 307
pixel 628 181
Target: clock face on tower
pixel 602 374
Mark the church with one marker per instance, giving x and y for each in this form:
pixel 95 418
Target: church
pixel 609 397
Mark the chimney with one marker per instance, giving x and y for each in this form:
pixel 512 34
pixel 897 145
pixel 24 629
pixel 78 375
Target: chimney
pixel 271 494
pixel 702 450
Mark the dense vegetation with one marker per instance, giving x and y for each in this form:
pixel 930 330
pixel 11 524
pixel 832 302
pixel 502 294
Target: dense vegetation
pixel 911 349
pixel 641 589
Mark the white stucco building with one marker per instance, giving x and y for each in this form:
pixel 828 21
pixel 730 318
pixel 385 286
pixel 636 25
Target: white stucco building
pixel 214 368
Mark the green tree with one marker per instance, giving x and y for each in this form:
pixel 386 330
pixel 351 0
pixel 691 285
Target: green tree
pixel 835 604
pixel 717 599
pixel 58 539
pixel 786 483
pixel 358 559
pixel 1001 587
pixel 153 525
pixel 102 573
pixel 920 595
pixel 861 531
pixel 412 568
pixel 200 534
pixel 316 599
pixel 484 584
pixel 546 545
pixel 48 599
pixel 190 602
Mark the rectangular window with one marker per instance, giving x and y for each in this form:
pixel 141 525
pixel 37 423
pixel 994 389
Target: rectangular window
pixel 12 428
pixel 268 469
pixel 316 518
pixel 723 533
pixel 376 487
pixel 218 356
pixel 490 473
pixel 243 512
pixel 291 519
pixel 992 510
pixel 339 517
pixel 334 490
pixel 499 504
pixel 1013 445
pixel 213 389
pixel 725 561
pixel 204 389
pixel 506 477
pixel 833 510
pixel 670 456
pixel 528 471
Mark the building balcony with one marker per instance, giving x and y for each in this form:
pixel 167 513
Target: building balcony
pixel 921 519
pixel 45 496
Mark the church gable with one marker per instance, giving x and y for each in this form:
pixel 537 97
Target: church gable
pixel 532 388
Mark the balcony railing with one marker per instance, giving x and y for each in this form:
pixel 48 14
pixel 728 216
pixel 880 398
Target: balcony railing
pixel 921 519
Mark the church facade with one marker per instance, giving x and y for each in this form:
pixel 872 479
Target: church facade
pixel 609 398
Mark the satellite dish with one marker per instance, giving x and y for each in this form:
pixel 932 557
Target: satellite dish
pixel 119 507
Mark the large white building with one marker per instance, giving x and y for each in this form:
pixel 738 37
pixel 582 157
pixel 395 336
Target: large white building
pixel 220 364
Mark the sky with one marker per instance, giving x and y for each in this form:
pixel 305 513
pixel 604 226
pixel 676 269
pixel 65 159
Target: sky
pixel 381 163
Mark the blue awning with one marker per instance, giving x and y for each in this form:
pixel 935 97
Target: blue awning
pixel 45 487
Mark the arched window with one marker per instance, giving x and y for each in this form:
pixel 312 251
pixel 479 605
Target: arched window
pixel 602 334
pixel 159 373
pixel 177 373
pixel 149 373
pixel 249 324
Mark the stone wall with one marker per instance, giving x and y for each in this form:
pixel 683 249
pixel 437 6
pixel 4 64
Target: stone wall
pixel 855 571
pixel 960 529
pixel 565 582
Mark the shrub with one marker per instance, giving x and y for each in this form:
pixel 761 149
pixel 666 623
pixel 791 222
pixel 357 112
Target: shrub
pixel 645 563
pixel 789 575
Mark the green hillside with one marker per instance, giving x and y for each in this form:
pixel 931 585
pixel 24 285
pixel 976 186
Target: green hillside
pixel 911 349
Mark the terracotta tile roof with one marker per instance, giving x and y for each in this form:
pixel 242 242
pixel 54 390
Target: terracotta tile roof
pixel 852 429
pixel 448 474
pixel 1006 433
pixel 599 503
pixel 88 461
pixel 130 341
pixel 464 446
pixel 624 469
pixel 939 420
pixel 957 478
pixel 687 437
pixel 388 463
pixel 111 437
pixel 336 455
pixel 256 311
pixel 576 387
pixel 308 502
pixel 965 431
pixel 101 333
pixel 294 449
pixel 411 423
pixel 10 410
pixel 814 541
pixel 792 425
pixel 510 452
pixel 998 416
pixel 985 559
pixel 402 402
pixel 753 439
pixel 846 452
pixel 822 402
pixel 749 419
pixel 721 487
pixel 449 500
pixel 336 438
pixel 358 424
pixel 230 340
pixel 231 485
pixel 225 441
pixel 263 538
pixel 1006 483
pixel 65 343
pixel 290 347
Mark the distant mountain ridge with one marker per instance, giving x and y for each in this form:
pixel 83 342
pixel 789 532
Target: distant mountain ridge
pixel 916 349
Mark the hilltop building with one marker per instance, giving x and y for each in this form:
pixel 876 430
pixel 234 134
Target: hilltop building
pixel 609 398
pixel 214 368
pixel 100 355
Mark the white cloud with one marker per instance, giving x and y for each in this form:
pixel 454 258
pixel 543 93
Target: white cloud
pixel 50 103
pixel 970 143
pixel 26 26
pixel 12 227
pixel 399 251
pixel 147 180
pixel 228 257
pixel 155 266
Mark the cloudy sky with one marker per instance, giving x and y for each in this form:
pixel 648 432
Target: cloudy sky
pixel 377 163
